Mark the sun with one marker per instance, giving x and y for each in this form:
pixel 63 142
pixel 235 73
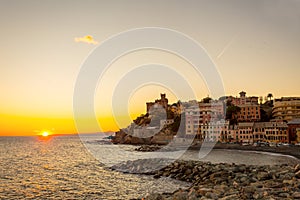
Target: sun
pixel 45 134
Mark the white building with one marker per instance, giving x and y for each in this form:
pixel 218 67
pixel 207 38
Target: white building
pixel 215 131
pixel 192 120
pixel 165 122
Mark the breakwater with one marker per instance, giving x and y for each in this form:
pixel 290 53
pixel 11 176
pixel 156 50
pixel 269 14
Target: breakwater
pixel 223 181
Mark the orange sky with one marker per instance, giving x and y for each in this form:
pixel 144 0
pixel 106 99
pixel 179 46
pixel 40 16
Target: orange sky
pixel 26 125
pixel 254 45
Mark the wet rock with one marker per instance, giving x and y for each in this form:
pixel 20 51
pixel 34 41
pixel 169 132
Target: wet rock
pixel 148 148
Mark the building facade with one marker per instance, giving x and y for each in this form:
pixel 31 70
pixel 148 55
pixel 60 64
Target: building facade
pixel 202 113
pixel 245 132
pixel 215 131
pixel 242 99
pixel 276 132
pixel 286 108
pixel 248 113
pixel 213 111
pixel 293 125
pixel 249 108
pixel 271 132
pixel 192 120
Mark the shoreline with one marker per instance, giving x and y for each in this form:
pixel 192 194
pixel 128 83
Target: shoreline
pixel 289 151
pixel 226 181
pixel 220 181
pixel 293 151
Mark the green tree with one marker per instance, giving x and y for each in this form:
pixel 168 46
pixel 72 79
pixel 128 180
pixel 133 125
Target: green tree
pixel 231 111
pixel 270 96
pixel 206 100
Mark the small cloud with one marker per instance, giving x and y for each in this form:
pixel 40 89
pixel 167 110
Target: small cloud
pixel 86 39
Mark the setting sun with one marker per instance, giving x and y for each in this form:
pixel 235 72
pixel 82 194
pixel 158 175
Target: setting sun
pixel 45 134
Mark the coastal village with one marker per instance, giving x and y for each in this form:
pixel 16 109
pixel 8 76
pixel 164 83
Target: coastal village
pixel 247 120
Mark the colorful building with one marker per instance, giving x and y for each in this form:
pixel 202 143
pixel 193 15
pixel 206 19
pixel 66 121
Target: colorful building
pixel 293 125
pixel 248 113
pixel 249 108
pixel 271 132
pixel 242 100
pixel 245 132
pixel 276 132
pixel 286 108
pixel 215 131
pixel 202 113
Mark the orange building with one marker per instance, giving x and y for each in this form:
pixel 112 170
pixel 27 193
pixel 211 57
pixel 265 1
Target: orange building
pixel 245 132
pixel 242 100
pixel 248 113
pixel 250 109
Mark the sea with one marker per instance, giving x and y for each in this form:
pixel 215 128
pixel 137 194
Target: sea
pixel 77 167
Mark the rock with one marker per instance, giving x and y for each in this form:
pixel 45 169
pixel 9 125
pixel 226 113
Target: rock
pixel 188 171
pixel 203 191
pixel 297 174
pixel 257 184
pixel 146 148
pixel 205 174
pixel 290 182
pixel 284 195
pixel 235 184
pixel 211 195
pixel 249 189
pixel 296 195
pixel 297 167
pixel 244 180
pixel 262 176
pixel 154 197
pixel 180 195
pixel 192 195
pixel 257 195
pixel 223 181
pixel 230 197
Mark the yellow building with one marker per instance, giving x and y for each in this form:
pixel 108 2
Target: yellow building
pixel 298 135
pixel 286 108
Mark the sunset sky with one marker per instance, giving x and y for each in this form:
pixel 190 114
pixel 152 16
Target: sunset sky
pixel 255 46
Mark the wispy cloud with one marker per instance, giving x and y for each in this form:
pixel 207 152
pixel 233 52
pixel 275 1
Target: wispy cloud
pixel 86 39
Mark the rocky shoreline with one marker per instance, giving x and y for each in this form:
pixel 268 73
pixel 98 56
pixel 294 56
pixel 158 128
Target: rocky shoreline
pixel 220 181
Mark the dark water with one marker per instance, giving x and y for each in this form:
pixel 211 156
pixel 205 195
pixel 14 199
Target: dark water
pixel 61 168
